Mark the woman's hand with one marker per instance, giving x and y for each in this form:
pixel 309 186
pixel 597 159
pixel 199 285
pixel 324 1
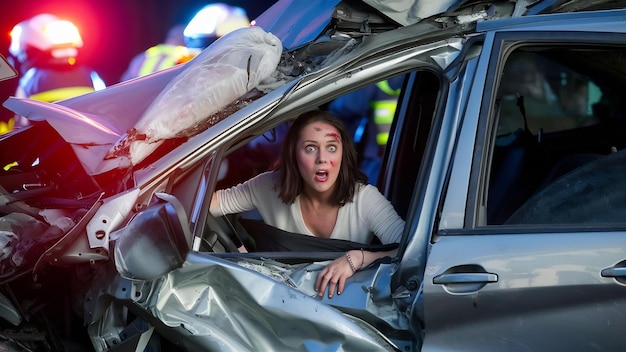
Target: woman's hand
pixel 335 274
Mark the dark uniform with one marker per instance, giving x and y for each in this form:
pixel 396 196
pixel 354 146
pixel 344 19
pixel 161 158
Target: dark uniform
pixel 53 84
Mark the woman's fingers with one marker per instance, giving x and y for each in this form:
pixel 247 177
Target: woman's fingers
pixel 322 281
pixel 333 276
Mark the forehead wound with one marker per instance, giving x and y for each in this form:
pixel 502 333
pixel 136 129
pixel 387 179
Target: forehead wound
pixel 330 132
pixel 333 135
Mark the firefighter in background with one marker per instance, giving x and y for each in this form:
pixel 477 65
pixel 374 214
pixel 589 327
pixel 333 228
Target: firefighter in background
pixel 368 113
pixel 383 110
pixel 183 42
pixel 44 49
pixel 161 56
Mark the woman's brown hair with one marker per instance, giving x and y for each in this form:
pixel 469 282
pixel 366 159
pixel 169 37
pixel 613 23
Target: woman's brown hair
pixel 291 182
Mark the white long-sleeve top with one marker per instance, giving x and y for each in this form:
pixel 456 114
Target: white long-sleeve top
pixel 369 214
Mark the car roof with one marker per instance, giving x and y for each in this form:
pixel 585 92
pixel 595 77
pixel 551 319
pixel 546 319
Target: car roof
pixel 299 22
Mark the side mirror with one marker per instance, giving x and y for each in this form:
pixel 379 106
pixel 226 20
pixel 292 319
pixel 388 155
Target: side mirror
pixel 6 70
pixel 154 242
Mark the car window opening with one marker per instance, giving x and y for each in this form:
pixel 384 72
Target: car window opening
pixel 556 115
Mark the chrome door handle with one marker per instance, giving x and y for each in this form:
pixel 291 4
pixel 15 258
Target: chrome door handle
pixel 613 272
pixel 465 278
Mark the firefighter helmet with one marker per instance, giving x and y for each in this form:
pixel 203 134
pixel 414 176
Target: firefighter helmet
pixel 47 34
pixel 212 22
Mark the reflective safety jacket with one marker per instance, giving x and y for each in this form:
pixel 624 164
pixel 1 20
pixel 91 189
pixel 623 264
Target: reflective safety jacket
pixel 384 109
pixel 53 84
pixel 157 58
pixel 7 126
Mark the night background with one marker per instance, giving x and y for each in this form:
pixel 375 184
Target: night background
pixel 113 31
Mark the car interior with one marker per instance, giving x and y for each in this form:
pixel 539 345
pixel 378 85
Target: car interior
pixel 226 233
pixel 559 109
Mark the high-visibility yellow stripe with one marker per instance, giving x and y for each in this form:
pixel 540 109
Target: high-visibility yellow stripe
pixel 61 93
pixel 7 126
pixel 384 111
pixel 163 56
pixel 386 88
pixel 382 137
pixel 7 167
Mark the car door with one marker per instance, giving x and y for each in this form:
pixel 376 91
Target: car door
pixel 528 245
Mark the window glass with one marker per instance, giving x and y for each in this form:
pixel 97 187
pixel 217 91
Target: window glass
pixel 559 137
pixel 554 96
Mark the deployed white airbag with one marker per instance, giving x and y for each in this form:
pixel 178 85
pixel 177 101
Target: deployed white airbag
pixel 229 68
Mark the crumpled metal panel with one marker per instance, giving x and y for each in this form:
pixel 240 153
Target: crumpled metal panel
pixel 228 307
pixel 406 12
pixel 297 22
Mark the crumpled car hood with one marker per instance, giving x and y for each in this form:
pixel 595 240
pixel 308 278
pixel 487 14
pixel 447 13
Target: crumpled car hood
pixel 120 126
pixel 6 71
pixel 234 308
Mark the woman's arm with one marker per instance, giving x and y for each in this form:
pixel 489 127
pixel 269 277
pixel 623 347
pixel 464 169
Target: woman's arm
pixel 335 274
pixel 242 197
pixel 214 208
pixel 380 215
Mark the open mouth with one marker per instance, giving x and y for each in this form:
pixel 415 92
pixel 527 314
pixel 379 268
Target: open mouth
pixel 321 176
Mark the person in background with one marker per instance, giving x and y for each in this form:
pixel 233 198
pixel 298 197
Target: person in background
pixel 369 113
pixel 44 49
pixel 184 42
pixel 161 56
pixel 317 189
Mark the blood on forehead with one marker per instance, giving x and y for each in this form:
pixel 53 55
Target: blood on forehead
pixel 334 135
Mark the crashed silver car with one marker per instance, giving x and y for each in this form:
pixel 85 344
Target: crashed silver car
pixel 506 159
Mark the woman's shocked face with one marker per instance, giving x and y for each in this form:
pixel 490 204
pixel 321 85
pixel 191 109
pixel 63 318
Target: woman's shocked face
pixel 319 152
